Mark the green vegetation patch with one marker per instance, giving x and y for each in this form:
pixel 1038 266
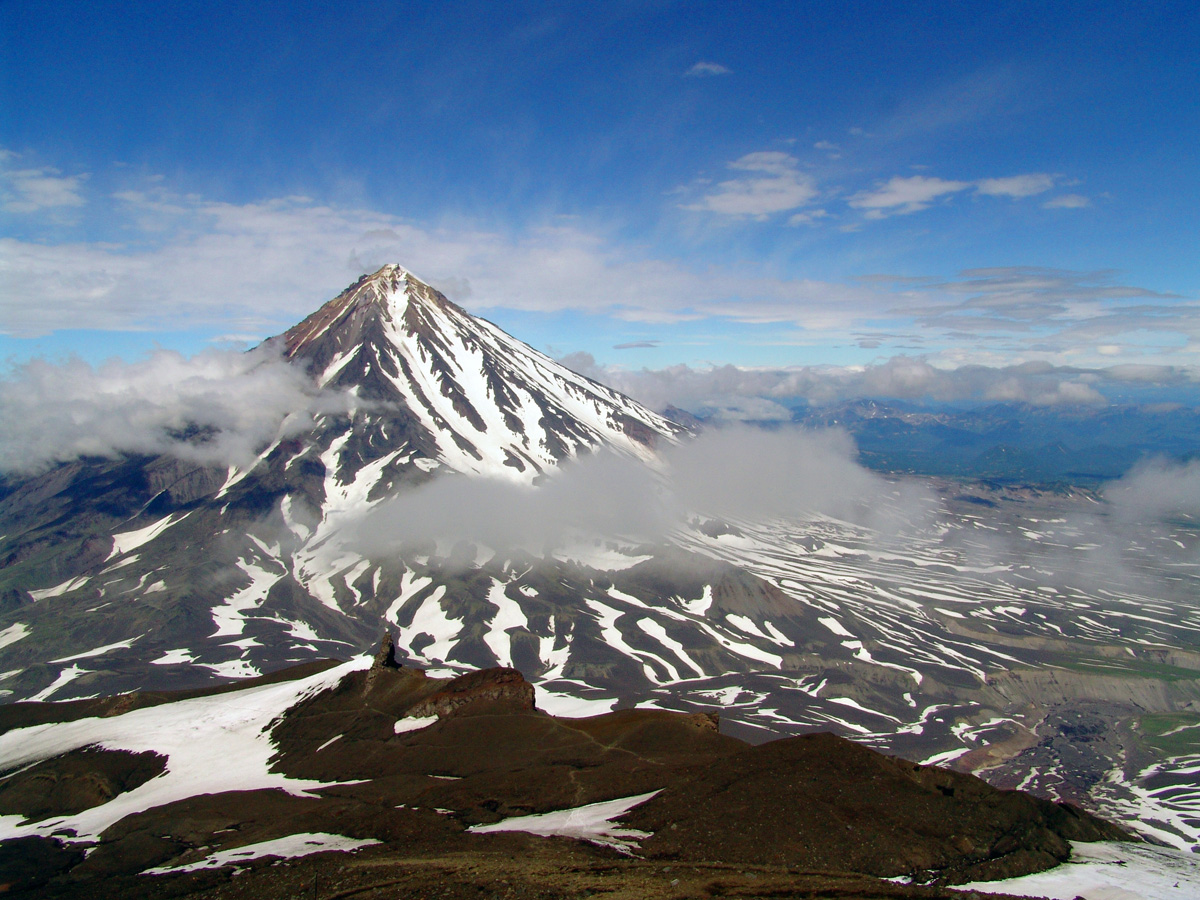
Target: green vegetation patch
pixel 1125 668
pixel 1175 734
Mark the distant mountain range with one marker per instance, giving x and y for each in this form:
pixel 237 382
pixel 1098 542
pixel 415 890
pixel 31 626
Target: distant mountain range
pixel 1012 442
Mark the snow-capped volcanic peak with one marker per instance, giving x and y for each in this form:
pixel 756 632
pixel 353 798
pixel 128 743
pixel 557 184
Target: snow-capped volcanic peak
pixel 488 403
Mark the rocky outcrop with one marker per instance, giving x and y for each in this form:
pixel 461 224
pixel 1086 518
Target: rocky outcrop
pixel 496 688
pixel 385 658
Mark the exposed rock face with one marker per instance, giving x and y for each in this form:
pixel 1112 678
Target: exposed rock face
pixel 504 688
pixel 385 658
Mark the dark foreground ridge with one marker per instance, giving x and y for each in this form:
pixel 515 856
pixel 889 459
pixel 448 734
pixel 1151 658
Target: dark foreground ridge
pixel 811 816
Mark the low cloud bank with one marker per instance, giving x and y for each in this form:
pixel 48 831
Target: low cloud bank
pixel 735 394
pixel 1157 490
pixel 231 403
pixel 736 473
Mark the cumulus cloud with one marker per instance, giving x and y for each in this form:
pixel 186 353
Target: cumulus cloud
pixel 233 404
pixel 901 196
pixel 704 69
pixel 774 185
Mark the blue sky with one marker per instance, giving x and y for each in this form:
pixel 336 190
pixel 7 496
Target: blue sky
pixel 656 184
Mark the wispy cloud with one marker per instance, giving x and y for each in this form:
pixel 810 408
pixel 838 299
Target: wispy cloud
pixel 31 190
pixel 636 345
pixel 901 196
pixel 1016 185
pixel 257 268
pixel 705 69
pixel 808 217
pixel 774 185
pixel 1068 201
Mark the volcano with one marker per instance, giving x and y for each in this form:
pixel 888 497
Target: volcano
pixel 158 572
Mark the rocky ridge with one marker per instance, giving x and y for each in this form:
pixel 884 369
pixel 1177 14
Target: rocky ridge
pixel 484 753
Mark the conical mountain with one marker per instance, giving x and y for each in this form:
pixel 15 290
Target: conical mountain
pixel 453 388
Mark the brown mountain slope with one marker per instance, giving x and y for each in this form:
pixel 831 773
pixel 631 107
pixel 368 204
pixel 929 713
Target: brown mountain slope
pixel 811 816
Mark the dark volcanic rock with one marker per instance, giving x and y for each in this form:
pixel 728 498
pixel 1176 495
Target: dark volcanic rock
pixel 824 803
pixel 76 781
pixel 498 689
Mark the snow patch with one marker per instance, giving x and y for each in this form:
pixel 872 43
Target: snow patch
pixel 100 651
pixel 593 822
pixel 416 723
pixel 290 847
pixel 131 540
pixel 13 633
pixel 59 589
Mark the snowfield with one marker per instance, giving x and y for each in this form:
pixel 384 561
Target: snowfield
pixel 1108 871
pixel 233 728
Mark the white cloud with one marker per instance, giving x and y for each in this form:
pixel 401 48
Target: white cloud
pixel 1064 304
pixel 705 69
pixel 34 190
pixel 1157 489
pixel 901 196
pixel 810 217
pixel 774 186
pixel 1068 201
pixel 794 473
pixel 258 268
pixel 58 412
pixel 1015 185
